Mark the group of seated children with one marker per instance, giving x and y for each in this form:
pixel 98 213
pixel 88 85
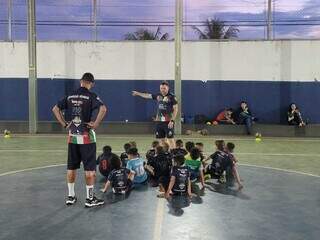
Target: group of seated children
pixel 175 171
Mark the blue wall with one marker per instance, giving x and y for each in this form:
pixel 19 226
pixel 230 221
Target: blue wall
pixel 268 100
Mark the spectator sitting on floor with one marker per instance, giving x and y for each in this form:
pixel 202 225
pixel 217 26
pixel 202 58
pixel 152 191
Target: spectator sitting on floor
pixel 244 117
pixel 225 117
pixel 294 116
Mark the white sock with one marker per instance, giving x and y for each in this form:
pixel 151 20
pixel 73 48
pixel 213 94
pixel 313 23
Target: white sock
pixel 89 191
pixel 71 189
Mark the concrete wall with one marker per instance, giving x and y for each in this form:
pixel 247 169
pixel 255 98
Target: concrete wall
pixel 269 75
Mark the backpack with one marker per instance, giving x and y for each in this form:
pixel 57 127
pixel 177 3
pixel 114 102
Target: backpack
pixel 200 119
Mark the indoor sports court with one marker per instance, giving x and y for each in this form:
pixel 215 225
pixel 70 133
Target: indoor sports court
pixel 173 119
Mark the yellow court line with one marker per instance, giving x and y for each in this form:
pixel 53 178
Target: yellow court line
pixel 159 220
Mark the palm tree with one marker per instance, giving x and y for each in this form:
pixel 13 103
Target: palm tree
pixel 216 29
pixel 146 34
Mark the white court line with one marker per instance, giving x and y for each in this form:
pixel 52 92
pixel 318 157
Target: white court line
pixel 242 164
pixel 143 151
pixel 30 169
pixel 226 138
pixel 279 169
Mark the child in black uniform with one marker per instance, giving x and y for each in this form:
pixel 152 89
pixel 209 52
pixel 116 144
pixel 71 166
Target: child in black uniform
pixel 124 156
pixel 179 150
pixel 152 151
pixel 180 179
pixel 179 186
pixel 120 178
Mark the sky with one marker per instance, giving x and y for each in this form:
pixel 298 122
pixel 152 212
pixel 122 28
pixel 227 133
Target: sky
pixel 72 19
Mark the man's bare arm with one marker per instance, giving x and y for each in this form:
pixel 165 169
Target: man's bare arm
pixel 101 114
pixel 143 95
pixel 58 114
pixel 175 112
pixel 171 184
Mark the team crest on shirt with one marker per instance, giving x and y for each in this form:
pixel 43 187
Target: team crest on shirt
pixel 165 99
pixel 76 121
pixel 121 183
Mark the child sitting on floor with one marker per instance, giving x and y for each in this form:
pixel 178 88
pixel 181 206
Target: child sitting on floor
pixel 120 178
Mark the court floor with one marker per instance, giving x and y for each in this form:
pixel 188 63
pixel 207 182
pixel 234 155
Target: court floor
pixel 281 198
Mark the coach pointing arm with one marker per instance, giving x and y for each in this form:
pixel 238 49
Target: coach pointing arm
pixel 143 95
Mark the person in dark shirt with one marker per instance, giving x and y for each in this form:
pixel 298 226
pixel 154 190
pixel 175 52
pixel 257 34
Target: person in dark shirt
pixel 180 179
pixel 124 156
pixel 232 172
pixel 152 151
pixel 219 161
pixel 159 168
pixel 167 109
pixel 103 161
pixel 179 150
pixel 189 147
pixel 200 146
pixel 75 113
pixel 120 178
pixel 244 117
pixel 294 116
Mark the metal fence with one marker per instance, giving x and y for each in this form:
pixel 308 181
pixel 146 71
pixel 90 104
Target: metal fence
pixel 100 20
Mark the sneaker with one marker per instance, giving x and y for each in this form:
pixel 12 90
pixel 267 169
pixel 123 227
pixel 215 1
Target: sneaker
pixel 93 202
pixel 71 200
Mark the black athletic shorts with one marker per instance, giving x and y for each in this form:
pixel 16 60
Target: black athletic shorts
pixel 85 153
pixel 163 131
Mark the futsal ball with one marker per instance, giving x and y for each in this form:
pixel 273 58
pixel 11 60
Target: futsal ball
pixel 6 133
pixel 258 137
pixel 208 123
pixel 258 140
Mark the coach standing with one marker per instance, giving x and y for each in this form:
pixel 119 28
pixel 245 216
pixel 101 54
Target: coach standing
pixel 77 119
pixel 167 109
